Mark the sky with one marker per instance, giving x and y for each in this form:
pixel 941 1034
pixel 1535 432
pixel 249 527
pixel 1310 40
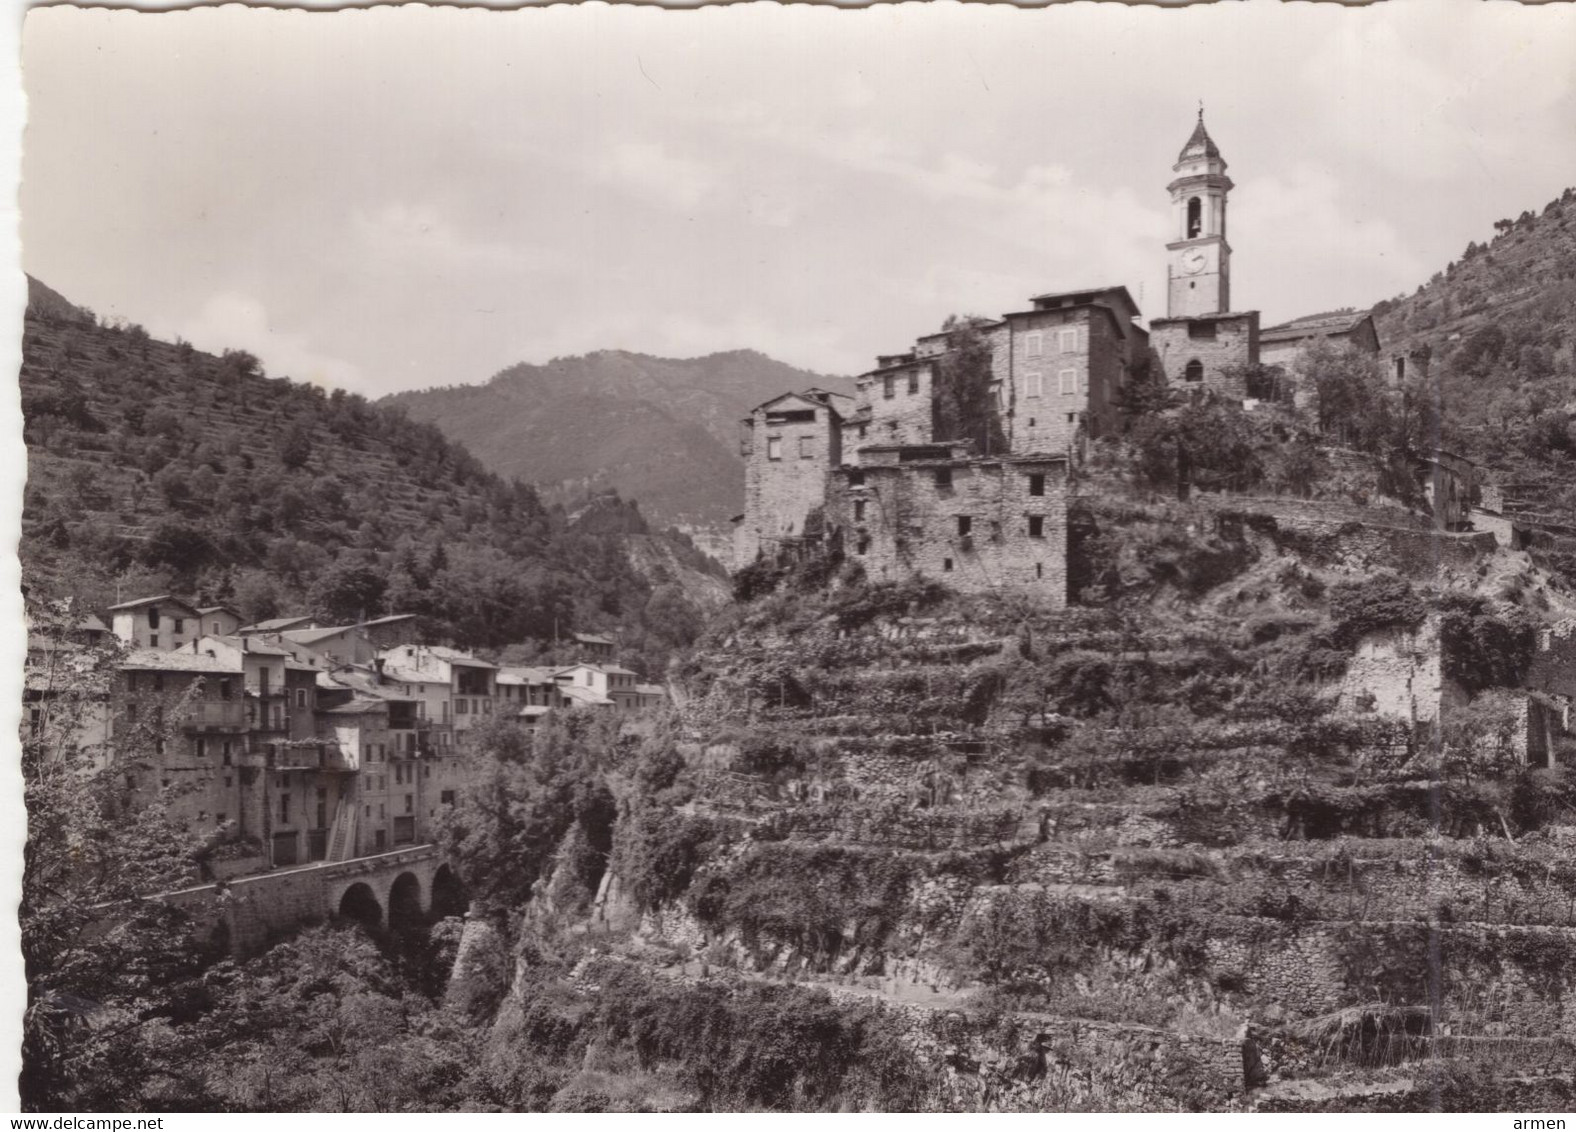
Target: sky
pixel 392 198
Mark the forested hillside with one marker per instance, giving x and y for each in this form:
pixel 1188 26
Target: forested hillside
pixel 156 467
pixel 1500 323
pixel 661 430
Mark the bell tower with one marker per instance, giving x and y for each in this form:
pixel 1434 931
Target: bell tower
pixel 1200 262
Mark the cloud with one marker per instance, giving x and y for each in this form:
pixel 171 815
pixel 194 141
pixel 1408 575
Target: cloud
pixel 1329 256
pixel 231 320
pixel 647 169
pixel 400 230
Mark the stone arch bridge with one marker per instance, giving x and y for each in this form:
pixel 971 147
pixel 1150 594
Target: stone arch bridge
pixel 383 891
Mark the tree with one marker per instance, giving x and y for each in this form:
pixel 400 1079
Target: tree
pixel 102 960
pixel 348 592
pixel 964 406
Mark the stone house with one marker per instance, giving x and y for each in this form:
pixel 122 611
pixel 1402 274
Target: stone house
pixel 469 684
pixel 596 647
pixel 1282 345
pixel 1066 359
pixel 332 645
pixel 386 632
pixel 975 523
pixel 609 682
pixel 181 717
pixel 219 620
pixel 789 445
pixel 1449 484
pixel 162 622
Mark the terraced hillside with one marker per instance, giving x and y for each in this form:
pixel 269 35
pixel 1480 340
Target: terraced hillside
pixel 1500 325
pixel 1119 857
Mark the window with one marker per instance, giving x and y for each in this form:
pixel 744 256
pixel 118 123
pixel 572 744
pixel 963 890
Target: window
pixel 153 617
pixel 862 546
pixel 131 681
pixel 153 640
pixel 284 809
pixel 1037 483
pixel 1195 217
pixel 1036 526
pixel 965 525
pixel 1194 371
pixel 131 713
pixel 446 797
pixel 856 477
pixel 1033 384
pixel 861 432
pixel 158 681
pixel 1039 569
pixel 888 387
pixel 224 689
pixel 1033 344
pixel 943 477
pixel 946 565
pixel 1203 329
pixel 1068 340
pixel 913 380
pixel 214 629
pixel 410 803
pixel 774 448
pixel 180 625
pixel 220 819
pixel 460 707
pixel 200 748
pixel 859 510
pixel 1068 381
pixel 300 697
pixel 224 752
pixel 806 447
pixel 486 707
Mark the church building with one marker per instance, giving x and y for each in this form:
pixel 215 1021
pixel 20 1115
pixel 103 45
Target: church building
pixel 1202 343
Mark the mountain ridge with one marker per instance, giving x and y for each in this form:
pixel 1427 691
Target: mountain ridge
pixel 662 430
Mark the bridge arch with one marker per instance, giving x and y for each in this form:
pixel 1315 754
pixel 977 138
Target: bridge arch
pixel 448 897
pixel 405 905
pixel 360 903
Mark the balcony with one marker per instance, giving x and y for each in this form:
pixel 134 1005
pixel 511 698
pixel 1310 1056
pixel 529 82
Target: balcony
pixel 324 755
pixel 214 715
pixel 267 691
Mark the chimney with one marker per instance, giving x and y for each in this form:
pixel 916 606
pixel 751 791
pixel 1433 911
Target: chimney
pixel 246 644
pixel 377 666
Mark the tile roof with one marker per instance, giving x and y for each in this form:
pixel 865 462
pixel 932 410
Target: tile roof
pixel 313 636
pixel 1310 325
pixel 529 674
pixel 392 617
pixel 248 645
pixel 274 624
pixel 141 601
pixel 177 661
pixel 593 639
pixel 589 696
pixel 360 705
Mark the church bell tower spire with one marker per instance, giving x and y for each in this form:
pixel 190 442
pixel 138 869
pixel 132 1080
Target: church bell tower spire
pixel 1200 261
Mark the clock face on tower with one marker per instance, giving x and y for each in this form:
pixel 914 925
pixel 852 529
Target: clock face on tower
pixel 1194 261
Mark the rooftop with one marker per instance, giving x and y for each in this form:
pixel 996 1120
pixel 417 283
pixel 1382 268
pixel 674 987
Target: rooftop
pixel 157 599
pixel 274 625
pixel 1199 143
pixel 178 661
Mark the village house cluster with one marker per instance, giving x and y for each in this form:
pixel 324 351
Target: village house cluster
pixel 881 475
pixel 294 741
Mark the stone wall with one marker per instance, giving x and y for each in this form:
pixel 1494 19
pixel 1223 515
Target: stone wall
pixel 904 521
pixel 1235 344
pixel 781 492
pixel 905 416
